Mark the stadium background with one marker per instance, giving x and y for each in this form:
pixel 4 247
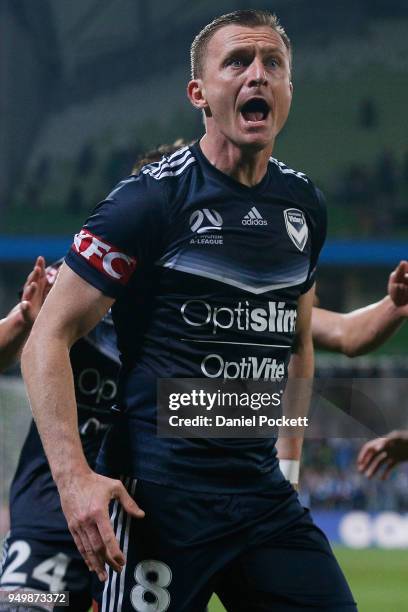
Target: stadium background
pixel 87 86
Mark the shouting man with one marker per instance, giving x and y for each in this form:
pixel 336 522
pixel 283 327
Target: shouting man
pixel 207 260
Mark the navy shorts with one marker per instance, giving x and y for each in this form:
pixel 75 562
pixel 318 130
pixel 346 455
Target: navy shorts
pixel 47 566
pixel 260 552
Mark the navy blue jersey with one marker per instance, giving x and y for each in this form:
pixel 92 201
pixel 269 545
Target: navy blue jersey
pixel 206 273
pixel 35 509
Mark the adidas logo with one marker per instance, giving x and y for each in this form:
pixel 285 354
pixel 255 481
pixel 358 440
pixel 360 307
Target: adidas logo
pixel 254 218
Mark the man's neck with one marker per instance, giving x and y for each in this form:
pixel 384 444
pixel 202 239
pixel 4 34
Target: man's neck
pixel 247 166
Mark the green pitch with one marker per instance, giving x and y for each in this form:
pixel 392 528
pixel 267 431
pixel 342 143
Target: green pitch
pixel 378 579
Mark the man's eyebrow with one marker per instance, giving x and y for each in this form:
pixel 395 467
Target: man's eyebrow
pixel 275 50
pixel 242 48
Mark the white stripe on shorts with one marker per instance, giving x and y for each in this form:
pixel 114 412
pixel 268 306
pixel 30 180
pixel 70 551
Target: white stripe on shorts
pixel 111 581
pixel 126 546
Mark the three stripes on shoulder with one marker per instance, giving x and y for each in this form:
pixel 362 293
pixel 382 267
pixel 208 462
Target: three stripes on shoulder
pixel 171 166
pixel 181 159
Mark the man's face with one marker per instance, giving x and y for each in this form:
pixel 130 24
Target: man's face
pixel 245 87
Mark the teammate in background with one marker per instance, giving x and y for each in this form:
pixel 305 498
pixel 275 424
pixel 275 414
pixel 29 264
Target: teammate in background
pixel 220 515
pixel 39 553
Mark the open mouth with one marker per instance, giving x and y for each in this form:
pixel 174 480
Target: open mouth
pixel 255 109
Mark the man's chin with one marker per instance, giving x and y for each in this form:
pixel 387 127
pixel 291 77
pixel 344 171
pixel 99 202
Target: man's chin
pixel 256 141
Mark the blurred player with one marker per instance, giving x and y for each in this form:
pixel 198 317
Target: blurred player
pixel 39 553
pixel 221 226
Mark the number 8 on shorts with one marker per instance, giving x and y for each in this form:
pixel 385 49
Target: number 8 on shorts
pixel 150 593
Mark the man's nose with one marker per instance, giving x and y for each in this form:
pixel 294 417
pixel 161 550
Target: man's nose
pixel 257 74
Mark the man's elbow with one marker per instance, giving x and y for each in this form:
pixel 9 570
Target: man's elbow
pixel 348 345
pixel 351 350
pixel 34 351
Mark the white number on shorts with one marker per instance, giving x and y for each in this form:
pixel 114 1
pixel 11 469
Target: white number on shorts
pixel 22 550
pixel 150 593
pixel 52 571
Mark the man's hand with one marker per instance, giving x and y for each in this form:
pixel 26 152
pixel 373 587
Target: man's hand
pixel 16 326
pixel 383 453
pixel 398 286
pixel 35 291
pixel 85 500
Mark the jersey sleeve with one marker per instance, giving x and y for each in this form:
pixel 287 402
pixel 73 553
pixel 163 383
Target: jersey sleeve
pixel 318 231
pixel 125 232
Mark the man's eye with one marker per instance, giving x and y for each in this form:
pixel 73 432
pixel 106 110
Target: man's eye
pixel 235 62
pixel 272 62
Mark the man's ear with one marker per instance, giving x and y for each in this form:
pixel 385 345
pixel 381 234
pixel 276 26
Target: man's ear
pixel 291 87
pixel 196 94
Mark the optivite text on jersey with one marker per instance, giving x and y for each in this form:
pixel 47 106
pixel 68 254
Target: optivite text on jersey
pixel 275 317
pixel 214 366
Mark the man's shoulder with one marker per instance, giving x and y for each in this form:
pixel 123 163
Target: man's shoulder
pixel 290 173
pixel 169 166
pixel 299 184
pixel 294 179
pixel 155 181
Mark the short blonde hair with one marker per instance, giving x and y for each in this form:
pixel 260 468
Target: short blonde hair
pixel 248 18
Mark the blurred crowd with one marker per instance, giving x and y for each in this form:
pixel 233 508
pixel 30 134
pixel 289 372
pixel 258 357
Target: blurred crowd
pixel 376 195
pixel 330 481
pixel 370 200
pixel 86 179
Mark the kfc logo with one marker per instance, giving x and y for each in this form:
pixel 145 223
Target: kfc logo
pixel 104 256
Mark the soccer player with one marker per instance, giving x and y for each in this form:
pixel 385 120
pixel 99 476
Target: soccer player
pixel 39 553
pixel 219 229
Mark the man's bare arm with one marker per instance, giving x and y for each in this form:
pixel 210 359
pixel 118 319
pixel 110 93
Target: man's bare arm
pixel 16 326
pixel 71 310
pixel 301 369
pixel 365 329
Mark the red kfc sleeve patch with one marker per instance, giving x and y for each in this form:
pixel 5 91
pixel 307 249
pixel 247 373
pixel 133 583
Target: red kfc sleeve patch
pixel 104 257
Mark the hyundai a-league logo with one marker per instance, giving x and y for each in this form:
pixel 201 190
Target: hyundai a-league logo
pixel 205 220
pixel 296 227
